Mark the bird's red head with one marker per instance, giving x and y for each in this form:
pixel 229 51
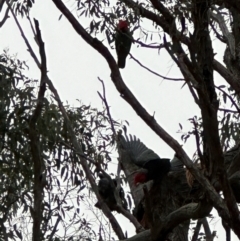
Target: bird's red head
pixel 122 24
pixel 140 177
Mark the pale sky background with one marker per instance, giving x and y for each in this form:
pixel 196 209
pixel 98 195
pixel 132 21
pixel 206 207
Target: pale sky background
pixel 74 67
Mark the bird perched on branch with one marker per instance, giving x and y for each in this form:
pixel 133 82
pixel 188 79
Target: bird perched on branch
pixel 107 189
pixel 154 167
pixel 123 42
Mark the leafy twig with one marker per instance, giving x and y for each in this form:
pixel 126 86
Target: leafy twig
pixel 230 98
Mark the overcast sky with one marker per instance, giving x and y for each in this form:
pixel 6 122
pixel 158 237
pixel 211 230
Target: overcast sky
pixel 74 68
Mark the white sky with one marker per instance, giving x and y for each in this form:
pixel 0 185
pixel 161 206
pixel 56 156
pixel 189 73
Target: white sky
pixel 74 67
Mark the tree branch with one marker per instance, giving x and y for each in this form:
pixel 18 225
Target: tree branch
pixel 153 72
pixel 143 236
pixel 24 37
pixel 5 17
pixel 232 80
pixel 35 144
pixel 230 98
pixel 197 230
pixel 186 212
pixel 150 121
pixel 162 21
pixel 104 99
pixel 209 107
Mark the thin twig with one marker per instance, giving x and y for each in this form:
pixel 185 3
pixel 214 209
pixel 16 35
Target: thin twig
pixel 230 98
pixel 198 141
pixel 153 72
pixel 228 111
pixel 131 218
pixel 104 99
pixel 220 37
pixel 159 46
pixel 24 37
pixel 32 28
pixel 188 76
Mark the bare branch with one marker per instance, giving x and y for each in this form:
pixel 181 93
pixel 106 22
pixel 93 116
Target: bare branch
pixel 1 4
pixel 153 72
pixel 190 80
pixel 227 230
pixel 197 230
pixel 228 111
pixel 150 46
pixel 218 35
pixel 43 69
pixel 131 218
pixel 32 28
pixel 24 37
pixel 232 80
pixel 207 229
pixel 54 230
pixel 5 17
pixel 36 154
pixel 103 98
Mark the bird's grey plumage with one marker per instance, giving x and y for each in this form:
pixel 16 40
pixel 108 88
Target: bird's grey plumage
pixel 176 163
pixel 139 152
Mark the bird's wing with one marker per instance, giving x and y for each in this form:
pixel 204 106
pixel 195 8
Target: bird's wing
pixel 176 163
pixel 123 41
pixel 117 41
pixel 139 152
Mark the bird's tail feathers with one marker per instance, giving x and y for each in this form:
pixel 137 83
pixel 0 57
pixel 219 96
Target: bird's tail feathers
pixel 121 63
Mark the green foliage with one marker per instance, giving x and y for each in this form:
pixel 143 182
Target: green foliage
pixel 229 116
pixel 104 16
pixel 62 175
